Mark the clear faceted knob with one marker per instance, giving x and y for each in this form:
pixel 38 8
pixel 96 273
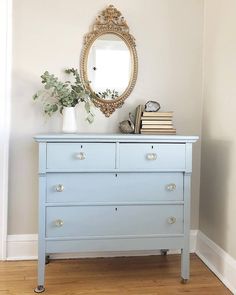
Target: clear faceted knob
pixel 151 156
pixel 60 188
pixel 59 223
pixel 171 187
pixel 171 220
pixel 80 156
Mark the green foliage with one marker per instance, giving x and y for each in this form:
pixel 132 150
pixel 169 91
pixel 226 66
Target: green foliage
pixel 108 94
pixel 56 94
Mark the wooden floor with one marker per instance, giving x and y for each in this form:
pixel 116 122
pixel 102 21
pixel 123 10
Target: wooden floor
pixel 126 275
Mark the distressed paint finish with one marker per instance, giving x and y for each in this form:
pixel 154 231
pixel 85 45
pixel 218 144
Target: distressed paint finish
pixel 120 194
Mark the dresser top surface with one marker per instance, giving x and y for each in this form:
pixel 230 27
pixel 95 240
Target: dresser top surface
pixel 113 137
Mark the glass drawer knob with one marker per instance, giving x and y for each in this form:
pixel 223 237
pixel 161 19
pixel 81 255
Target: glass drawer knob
pixel 171 187
pixel 60 188
pixel 80 156
pixel 151 156
pixel 59 223
pixel 171 220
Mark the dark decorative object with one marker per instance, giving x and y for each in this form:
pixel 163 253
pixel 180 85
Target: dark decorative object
pixel 152 106
pixel 127 126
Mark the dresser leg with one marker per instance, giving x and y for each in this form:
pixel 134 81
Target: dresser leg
pixel 41 267
pixel 185 260
pixel 39 289
pixel 41 237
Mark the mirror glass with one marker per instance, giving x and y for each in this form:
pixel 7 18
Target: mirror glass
pixel 109 66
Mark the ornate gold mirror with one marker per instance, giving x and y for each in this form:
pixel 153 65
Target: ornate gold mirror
pixel 109 63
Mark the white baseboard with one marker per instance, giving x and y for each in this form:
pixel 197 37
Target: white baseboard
pixel 219 262
pixel 22 247
pixel 25 247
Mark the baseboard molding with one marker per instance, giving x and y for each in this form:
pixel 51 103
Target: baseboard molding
pixel 22 247
pixel 25 247
pixel 219 262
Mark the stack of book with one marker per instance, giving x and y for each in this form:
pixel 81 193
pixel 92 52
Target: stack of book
pixel 157 123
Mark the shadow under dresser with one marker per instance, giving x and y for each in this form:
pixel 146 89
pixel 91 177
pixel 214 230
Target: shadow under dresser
pixel 112 192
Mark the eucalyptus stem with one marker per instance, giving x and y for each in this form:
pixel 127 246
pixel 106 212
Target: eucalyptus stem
pixel 56 94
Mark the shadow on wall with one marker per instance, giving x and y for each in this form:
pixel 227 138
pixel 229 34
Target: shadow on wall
pixel 26 120
pixel 214 193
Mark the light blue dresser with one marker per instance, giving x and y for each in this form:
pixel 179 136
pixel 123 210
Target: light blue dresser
pixel 112 192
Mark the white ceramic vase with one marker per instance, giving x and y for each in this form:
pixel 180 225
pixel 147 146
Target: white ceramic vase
pixel 69 120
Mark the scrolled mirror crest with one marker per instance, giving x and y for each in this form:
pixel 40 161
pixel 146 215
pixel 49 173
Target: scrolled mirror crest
pixel 110 21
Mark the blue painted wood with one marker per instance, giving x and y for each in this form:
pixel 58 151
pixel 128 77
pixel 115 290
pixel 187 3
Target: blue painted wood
pixel 122 187
pixel 113 220
pixel 185 258
pixel 42 217
pixel 81 156
pixel 104 137
pixel 116 237
pixel 166 156
pixel 188 157
pixel 69 204
pixel 114 199
pixel 131 169
pixel 129 244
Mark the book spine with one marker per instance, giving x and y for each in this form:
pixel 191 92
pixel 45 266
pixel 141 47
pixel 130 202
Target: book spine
pixel 158 133
pixel 157 129
pixel 159 122
pixel 154 126
pixel 156 118
pixel 158 114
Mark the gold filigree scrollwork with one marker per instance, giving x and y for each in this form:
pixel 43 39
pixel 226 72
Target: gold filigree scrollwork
pixel 111 17
pixel 110 21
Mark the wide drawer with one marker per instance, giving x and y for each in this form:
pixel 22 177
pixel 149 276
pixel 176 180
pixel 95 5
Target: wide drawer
pixel 81 156
pixel 136 220
pixel 114 187
pixel 152 156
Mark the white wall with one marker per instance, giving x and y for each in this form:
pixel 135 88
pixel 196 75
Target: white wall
pixel 48 34
pixel 5 78
pixel 218 189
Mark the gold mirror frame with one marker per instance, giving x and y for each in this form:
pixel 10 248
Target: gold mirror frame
pixel 110 21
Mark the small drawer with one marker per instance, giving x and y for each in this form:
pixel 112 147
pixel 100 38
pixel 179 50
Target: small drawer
pixel 152 156
pixel 136 220
pixel 81 156
pixel 114 187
